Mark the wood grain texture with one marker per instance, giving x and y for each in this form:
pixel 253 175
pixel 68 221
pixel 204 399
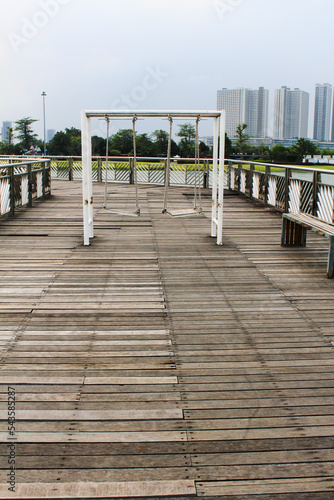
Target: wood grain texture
pixel 154 362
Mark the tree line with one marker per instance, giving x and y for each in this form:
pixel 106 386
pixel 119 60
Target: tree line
pixel 68 143
pixel 275 154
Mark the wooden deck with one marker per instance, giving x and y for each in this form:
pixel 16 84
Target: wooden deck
pixel 156 364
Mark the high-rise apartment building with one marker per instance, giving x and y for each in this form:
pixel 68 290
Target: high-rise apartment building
pixel 50 133
pixel 291 108
pixel 245 106
pixel 323 112
pixel 6 131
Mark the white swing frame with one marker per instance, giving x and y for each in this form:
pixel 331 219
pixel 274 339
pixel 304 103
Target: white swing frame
pixel 218 161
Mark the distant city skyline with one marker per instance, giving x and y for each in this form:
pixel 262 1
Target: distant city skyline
pixel 251 106
pixel 245 106
pixel 6 131
pixel 291 113
pixel 323 112
pixel 50 133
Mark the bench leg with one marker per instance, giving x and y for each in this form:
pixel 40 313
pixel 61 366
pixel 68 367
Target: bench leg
pixel 293 233
pixel 330 263
pixel 284 228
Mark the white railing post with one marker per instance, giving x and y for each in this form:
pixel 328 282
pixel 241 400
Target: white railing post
pixel 87 187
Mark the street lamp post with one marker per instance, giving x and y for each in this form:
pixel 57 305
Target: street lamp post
pixel 44 96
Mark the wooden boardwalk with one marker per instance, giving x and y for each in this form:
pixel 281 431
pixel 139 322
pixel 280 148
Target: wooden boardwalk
pixel 156 364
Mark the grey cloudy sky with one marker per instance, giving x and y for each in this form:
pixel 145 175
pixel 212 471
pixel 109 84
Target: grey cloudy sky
pixel 155 54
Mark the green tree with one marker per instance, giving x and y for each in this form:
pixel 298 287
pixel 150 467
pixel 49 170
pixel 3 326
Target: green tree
pixel 325 151
pixel 278 154
pixel 25 133
pixel 187 143
pixel 242 138
pixel 122 142
pixel 145 146
pixel 9 136
pixel 263 152
pixel 204 150
pixel 302 148
pixel 228 147
pixel 10 149
pixel 160 139
pixel 98 146
pixel 66 143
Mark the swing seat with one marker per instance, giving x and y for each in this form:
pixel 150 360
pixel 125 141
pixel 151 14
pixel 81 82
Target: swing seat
pixel 183 213
pixel 115 212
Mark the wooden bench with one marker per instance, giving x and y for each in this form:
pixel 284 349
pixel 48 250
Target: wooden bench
pixel 294 227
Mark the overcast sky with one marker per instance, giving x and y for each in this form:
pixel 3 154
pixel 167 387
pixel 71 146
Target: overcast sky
pixel 156 54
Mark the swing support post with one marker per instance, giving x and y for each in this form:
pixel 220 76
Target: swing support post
pixel 218 178
pixel 221 179
pixel 218 161
pixel 87 181
pixel 214 179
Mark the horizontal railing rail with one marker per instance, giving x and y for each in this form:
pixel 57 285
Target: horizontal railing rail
pixel 288 188
pixel 150 170
pixel 23 182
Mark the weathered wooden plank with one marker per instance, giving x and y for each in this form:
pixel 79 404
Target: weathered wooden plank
pixel 12 379
pixel 130 380
pixel 134 395
pixel 78 415
pixel 121 404
pixel 97 437
pixel 69 343
pixel 280 432
pixel 275 411
pixel 265 486
pixel 185 447
pixel 268 457
pixel 95 426
pixel 100 489
pixel 102 353
pixel 98 461
pixel 94 333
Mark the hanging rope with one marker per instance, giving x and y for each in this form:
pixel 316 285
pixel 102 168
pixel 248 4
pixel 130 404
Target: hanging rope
pixel 197 189
pixel 169 151
pixel 137 211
